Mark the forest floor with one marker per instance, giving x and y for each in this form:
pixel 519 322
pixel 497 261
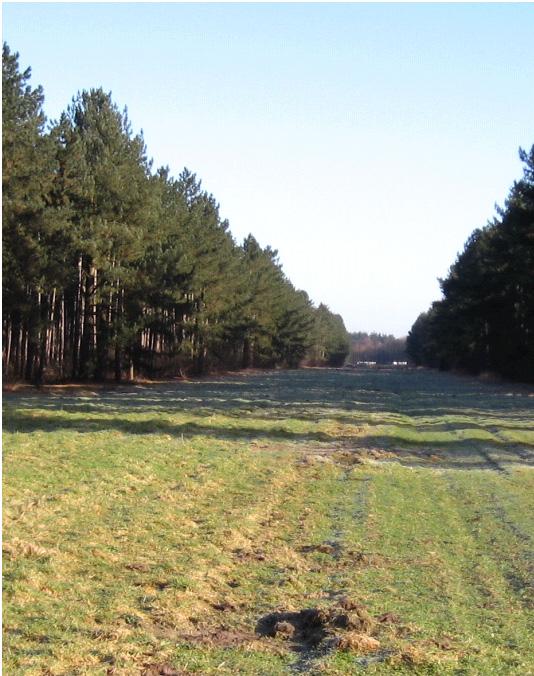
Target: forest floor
pixel 313 521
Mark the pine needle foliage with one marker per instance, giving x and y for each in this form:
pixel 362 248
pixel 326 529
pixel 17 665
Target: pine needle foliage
pixel 114 269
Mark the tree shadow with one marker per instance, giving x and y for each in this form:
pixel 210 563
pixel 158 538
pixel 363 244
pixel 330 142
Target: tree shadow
pixel 27 423
pixel 466 453
pixel 371 401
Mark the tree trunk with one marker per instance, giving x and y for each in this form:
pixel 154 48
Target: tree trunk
pixel 20 346
pixel 77 323
pixel 50 330
pixel 88 328
pixel 43 339
pixel 8 347
pixel 118 321
pixel 33 340
pixel 62 337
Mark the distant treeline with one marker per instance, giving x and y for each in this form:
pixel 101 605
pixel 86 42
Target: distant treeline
pixel 330 344
pixel 378 347
pixel 485 321
pixel 111 268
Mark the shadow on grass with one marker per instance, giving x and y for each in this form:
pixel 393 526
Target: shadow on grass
pixel 22 422
pixel 307 394
pixel 385 408
pixel 465 453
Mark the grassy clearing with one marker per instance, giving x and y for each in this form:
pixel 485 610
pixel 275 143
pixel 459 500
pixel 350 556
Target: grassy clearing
pixel 166 529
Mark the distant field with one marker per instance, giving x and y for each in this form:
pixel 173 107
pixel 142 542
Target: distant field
pixel 182 528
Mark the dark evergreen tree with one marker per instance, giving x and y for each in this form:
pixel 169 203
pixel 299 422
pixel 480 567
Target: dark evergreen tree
pixel 29 226
pixel 110 269
pixel 330 340
pixel 485 321
pixel 112 222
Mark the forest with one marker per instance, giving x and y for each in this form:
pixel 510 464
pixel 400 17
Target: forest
pixel 381 348
pixel 112 268
pixel 485 320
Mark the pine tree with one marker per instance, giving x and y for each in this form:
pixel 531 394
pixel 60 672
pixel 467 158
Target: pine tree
pixel 330 340
pixel 110 268
pixel 108 188
pixel 27 175
pixel 485 321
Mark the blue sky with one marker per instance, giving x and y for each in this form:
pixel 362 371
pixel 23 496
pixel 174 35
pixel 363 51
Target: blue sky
pixel 364 141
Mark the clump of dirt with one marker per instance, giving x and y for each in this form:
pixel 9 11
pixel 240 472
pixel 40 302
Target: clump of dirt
pixel 355 618
pixel 247 555
pixel 307 627
pixel 349 458
pixel 347 603
pixel 223 606
pixel 316 459
pixel 324 548
pixel 367 558
pixel 140 567
pixel 346 626
pixel 361 456
pixel 444 643
pixel 284 629
pixel 388 618
pixel 356 642
pixel 413 655
pixel 380 453
pixel 162 670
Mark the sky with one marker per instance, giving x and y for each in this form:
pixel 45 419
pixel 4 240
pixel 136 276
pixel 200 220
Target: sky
pixel 364 142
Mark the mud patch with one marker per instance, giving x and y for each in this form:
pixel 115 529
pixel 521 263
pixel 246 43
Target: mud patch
pixel 343 626
pixel 306 627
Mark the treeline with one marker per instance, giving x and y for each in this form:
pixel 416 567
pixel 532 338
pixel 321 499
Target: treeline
pixel 379 347
pixel 330 341
pixel 113 269
pixel 485 321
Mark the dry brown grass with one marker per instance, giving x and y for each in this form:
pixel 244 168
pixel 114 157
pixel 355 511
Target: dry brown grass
pixel 16 549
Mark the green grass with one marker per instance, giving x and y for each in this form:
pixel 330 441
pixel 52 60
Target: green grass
pixel 156 525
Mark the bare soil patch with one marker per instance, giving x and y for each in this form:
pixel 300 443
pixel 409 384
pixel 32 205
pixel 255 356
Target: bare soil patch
pixel 347 626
